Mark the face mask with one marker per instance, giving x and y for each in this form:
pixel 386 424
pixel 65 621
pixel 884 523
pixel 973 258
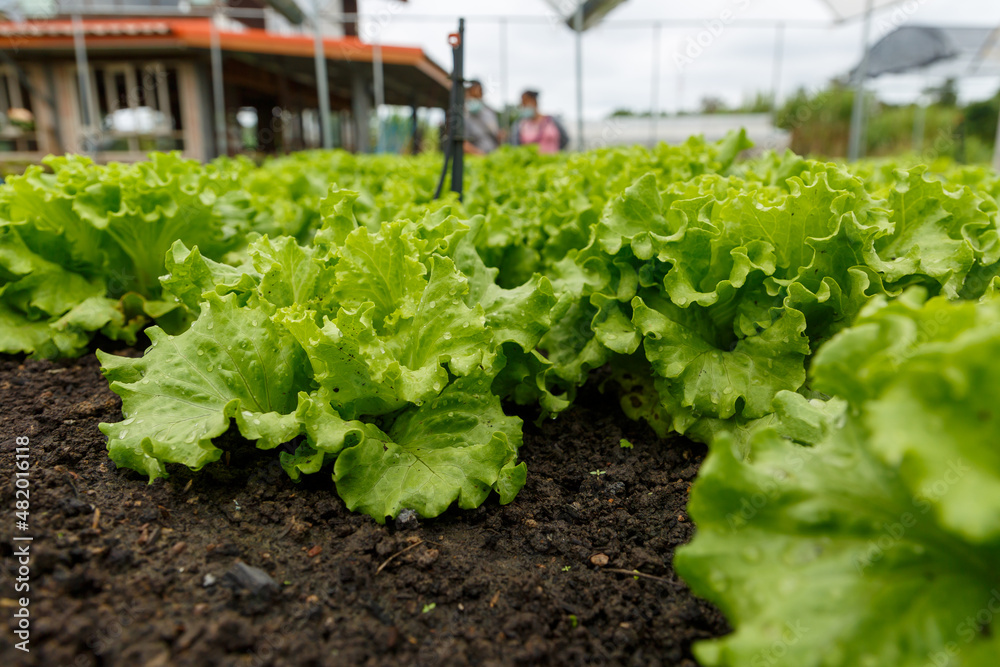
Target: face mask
pixel 526 112
pixel 475 106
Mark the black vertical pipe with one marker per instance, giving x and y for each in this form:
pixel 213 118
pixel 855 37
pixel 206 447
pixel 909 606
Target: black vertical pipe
pixel 458 111
pixel 454 139
pixel 414 130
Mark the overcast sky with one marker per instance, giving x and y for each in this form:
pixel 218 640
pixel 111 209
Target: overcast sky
pixel 618 64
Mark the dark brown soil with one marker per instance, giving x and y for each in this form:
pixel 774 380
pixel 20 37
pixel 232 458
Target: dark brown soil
pixel 122 571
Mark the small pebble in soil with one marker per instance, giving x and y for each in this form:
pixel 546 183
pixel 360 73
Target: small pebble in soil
pixel 428 557
pixel 209 580
pixel 407 519
pixel 252 579
pixel 616 488
pixel 600 560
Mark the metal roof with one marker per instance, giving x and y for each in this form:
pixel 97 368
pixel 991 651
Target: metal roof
pixel 936 52
pixel 845 10
pixel 594 11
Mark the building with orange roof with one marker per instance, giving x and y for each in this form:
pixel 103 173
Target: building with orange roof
pixel 151 84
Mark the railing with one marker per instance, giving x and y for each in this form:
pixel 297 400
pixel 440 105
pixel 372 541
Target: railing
pixel 37 9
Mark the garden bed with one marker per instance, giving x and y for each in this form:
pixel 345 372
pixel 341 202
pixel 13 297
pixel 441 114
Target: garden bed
pixel 125 573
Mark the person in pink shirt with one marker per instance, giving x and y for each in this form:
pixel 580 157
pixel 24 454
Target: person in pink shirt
pixel 534 127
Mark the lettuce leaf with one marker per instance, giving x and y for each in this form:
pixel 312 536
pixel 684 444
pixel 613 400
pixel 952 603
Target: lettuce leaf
pixel 455 447
pixel 939 231
pixel 863 531
pixel 232 363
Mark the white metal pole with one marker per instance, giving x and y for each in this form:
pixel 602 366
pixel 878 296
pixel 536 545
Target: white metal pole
pixel 578 25
pixel 379 82
pixel 680 91
pixel 854 148
pixel 503 75
pixel 322 80
pixel 779 59
pixel 654 86
pixel 218 90
pixel 83 76
pixel 361 111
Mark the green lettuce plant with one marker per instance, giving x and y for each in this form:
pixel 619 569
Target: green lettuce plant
pixel 863 530
pixel 82 248
pixel 373 351
pixel 708 296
